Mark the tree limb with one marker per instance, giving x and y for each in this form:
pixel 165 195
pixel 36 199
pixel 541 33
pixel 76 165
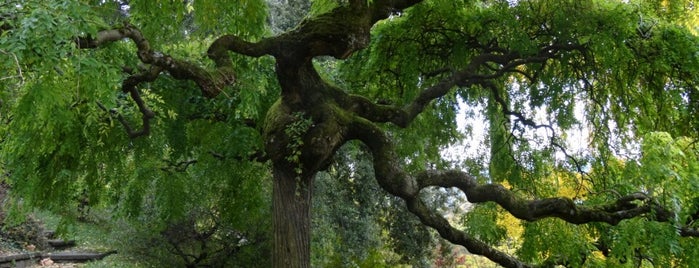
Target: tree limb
pixel 392 178
pixel 129 86
pixel 211 83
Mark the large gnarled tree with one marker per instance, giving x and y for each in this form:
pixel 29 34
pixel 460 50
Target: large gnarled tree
pixel 631 68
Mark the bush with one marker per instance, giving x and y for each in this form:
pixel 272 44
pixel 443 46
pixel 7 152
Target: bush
pixel 199 239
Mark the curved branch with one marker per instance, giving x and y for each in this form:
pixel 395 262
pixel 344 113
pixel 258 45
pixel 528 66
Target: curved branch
pixel 218 51
pixel 625 207
pixel 338 33
pixel 392 178
pixel 475 246
pixel 129 86
pixel 211 83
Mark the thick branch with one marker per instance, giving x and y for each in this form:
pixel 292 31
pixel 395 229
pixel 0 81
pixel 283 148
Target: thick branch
pixel 211 83
pixel 338 33
pixel 365 108
pixel 626 207
pixel 394 180
pixel 218 51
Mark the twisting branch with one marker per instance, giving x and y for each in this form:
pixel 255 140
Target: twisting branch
pixel 129 86
pixel 211 83
pixel 532 210
pixel 392 178
pixel 179 166
pixel 218 51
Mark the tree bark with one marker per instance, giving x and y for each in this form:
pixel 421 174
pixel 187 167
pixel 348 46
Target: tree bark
pixel 291 209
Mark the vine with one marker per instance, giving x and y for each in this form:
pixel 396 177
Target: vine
pixel 295 131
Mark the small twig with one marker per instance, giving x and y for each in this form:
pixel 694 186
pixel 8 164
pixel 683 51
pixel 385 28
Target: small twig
pixel 19 68
pixel 180 166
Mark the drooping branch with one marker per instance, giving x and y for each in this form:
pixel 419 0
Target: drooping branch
pixel 211 83
pixel 625 207
pixel 392 178
pixel 521 118
pixel 19 68
pixel 526 121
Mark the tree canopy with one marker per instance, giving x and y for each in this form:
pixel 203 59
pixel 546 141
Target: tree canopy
pixel 210 105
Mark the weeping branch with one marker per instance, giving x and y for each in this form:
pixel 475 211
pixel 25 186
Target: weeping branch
pixel 392 178
pixel 211 83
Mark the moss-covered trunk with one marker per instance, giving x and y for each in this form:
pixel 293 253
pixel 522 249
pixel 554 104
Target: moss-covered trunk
pixel 300 141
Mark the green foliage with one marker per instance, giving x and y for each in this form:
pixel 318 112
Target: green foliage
pixel 481 222
pixel 243 18
pixel 666 171
pixel 322 6
pixel 59 146
pixel 296 131
pixel 167 21
pixel 552 239
pixel 351 209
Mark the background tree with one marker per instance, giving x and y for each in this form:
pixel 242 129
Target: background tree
pixel 537 70
pixel 351 209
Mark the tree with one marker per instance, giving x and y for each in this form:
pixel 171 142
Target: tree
pixel 351 209
pixel 629 67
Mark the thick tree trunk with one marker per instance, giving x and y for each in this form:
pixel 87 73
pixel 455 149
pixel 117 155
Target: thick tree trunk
pixel 291 210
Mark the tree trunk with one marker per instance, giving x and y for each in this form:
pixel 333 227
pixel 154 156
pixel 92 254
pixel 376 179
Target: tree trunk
pixel 291 209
